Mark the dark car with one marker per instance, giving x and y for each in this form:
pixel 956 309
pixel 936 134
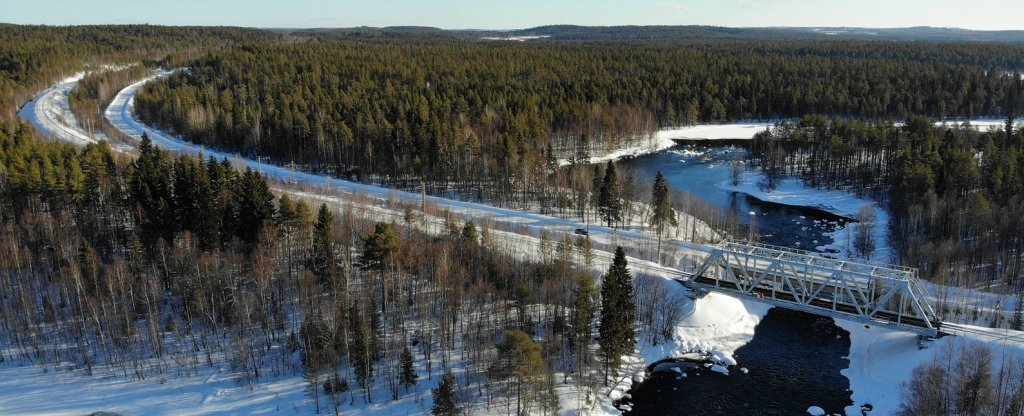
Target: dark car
pixel 581 231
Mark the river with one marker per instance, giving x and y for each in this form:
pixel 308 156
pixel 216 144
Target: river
pixel 794 360
pixel 702 167
pixel 792 363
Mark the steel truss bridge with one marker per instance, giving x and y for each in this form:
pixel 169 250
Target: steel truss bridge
pixel 867 292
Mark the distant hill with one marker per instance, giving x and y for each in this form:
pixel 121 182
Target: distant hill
pixel 641 33
pixel 571 32
pixel 920 33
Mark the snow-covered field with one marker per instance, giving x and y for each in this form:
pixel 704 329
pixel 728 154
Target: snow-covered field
pixel 523 38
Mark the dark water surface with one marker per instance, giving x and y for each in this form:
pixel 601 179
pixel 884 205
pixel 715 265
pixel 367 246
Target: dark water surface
pixel 793 363
pixel 701 170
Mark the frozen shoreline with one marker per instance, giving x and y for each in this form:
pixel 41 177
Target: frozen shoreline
pixel 665 139
pixel 791 191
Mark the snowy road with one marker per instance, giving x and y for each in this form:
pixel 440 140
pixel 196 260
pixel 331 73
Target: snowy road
pixel 49 113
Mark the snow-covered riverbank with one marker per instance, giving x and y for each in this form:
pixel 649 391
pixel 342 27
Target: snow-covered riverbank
pixel 791 191
pixel 744 130
pixel 715 325
pixel 881 360
pixel 665 139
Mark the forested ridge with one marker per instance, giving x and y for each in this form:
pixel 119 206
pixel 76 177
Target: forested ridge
pixel 455 110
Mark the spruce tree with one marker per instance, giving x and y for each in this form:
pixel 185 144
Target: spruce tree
pixel 662 205
pixel 616 330
pixel 322 258
pixel 256 205
pixel 444 395
pixel 609 204
pixel 407 374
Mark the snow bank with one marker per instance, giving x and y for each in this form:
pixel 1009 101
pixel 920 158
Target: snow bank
pixel 664 139
pixel 734 131
pixel 880 359
pixel 714 325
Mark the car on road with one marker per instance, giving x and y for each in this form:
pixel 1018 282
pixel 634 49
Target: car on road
pixel 581 231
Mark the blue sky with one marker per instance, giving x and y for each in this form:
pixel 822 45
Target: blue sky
pixel 514 14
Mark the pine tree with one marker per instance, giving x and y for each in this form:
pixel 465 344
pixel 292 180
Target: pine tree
pixel 616 330
pixel 445 401
pixel 379 245
pixel 520 361
pixel 609 204
pixel 407 376
pixel 662 204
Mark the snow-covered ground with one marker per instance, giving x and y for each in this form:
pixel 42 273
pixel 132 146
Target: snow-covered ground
pixel 730 131
pixel 881 359
pixel 519 231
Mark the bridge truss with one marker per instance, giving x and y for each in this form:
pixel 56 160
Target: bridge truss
pixel 867 292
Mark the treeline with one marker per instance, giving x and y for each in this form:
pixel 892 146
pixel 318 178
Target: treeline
pixel 966 378
pixel 164 266
pixel 33 57
pixel 456 110
pixel 953 193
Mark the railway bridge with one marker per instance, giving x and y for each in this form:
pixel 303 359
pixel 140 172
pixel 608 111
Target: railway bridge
pixel 876 294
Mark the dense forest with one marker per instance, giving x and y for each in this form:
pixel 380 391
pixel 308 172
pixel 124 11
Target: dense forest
pixel 492 116
pixel 163 265
pixel 954 193
pixel 32 57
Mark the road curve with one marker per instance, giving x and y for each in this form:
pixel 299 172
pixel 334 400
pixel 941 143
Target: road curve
pixel 48 111
pixel 121 113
